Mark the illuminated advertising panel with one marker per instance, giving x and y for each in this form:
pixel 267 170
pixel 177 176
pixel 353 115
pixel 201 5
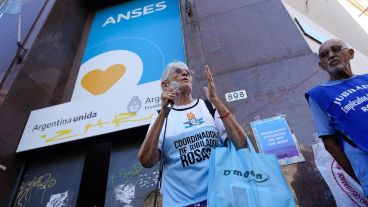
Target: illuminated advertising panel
pixel 118 85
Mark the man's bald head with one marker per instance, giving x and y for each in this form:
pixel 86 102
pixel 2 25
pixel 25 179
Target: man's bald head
pixel 334 58
pixel 332 41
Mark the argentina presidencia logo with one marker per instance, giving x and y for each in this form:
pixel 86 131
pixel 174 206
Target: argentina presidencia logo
pixel 134 105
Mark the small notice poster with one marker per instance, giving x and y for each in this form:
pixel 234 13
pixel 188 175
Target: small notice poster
pixel 274 136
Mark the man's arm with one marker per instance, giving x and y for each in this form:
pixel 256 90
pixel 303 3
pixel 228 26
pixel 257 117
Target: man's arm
pixel 333 146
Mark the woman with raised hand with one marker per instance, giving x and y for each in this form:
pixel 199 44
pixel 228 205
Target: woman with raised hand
pixel 191 132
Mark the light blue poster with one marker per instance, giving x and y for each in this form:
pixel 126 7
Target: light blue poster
pixel 274 136
pixel 129 46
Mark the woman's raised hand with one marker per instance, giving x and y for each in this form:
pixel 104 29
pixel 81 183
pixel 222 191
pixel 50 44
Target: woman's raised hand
pixel 210 89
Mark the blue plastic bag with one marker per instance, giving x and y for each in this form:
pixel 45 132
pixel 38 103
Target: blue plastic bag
pixel 244 178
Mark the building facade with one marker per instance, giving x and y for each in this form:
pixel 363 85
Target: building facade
pixel 252 45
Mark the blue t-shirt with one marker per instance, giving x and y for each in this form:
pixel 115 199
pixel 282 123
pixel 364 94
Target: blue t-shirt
pixel 191 133
pixel 347 103
pixel 326 125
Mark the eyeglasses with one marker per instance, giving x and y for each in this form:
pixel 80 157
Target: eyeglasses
pixel 335 49
pixel 180 71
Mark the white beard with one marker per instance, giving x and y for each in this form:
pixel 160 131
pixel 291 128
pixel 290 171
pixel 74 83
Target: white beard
pixel 339 70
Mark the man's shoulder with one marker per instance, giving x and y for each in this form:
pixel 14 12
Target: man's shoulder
pixel 334 82
pixel 360 76
pixel 313 90
pixel 365 76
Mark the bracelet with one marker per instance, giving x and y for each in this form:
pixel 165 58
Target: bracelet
pixel 227 114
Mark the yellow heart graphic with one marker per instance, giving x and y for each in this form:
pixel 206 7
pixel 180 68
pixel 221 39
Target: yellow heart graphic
pixel 98 81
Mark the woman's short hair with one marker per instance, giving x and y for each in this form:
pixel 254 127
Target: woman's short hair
pixel 171 66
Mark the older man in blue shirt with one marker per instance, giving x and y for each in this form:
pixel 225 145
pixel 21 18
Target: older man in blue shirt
pixel 340 110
